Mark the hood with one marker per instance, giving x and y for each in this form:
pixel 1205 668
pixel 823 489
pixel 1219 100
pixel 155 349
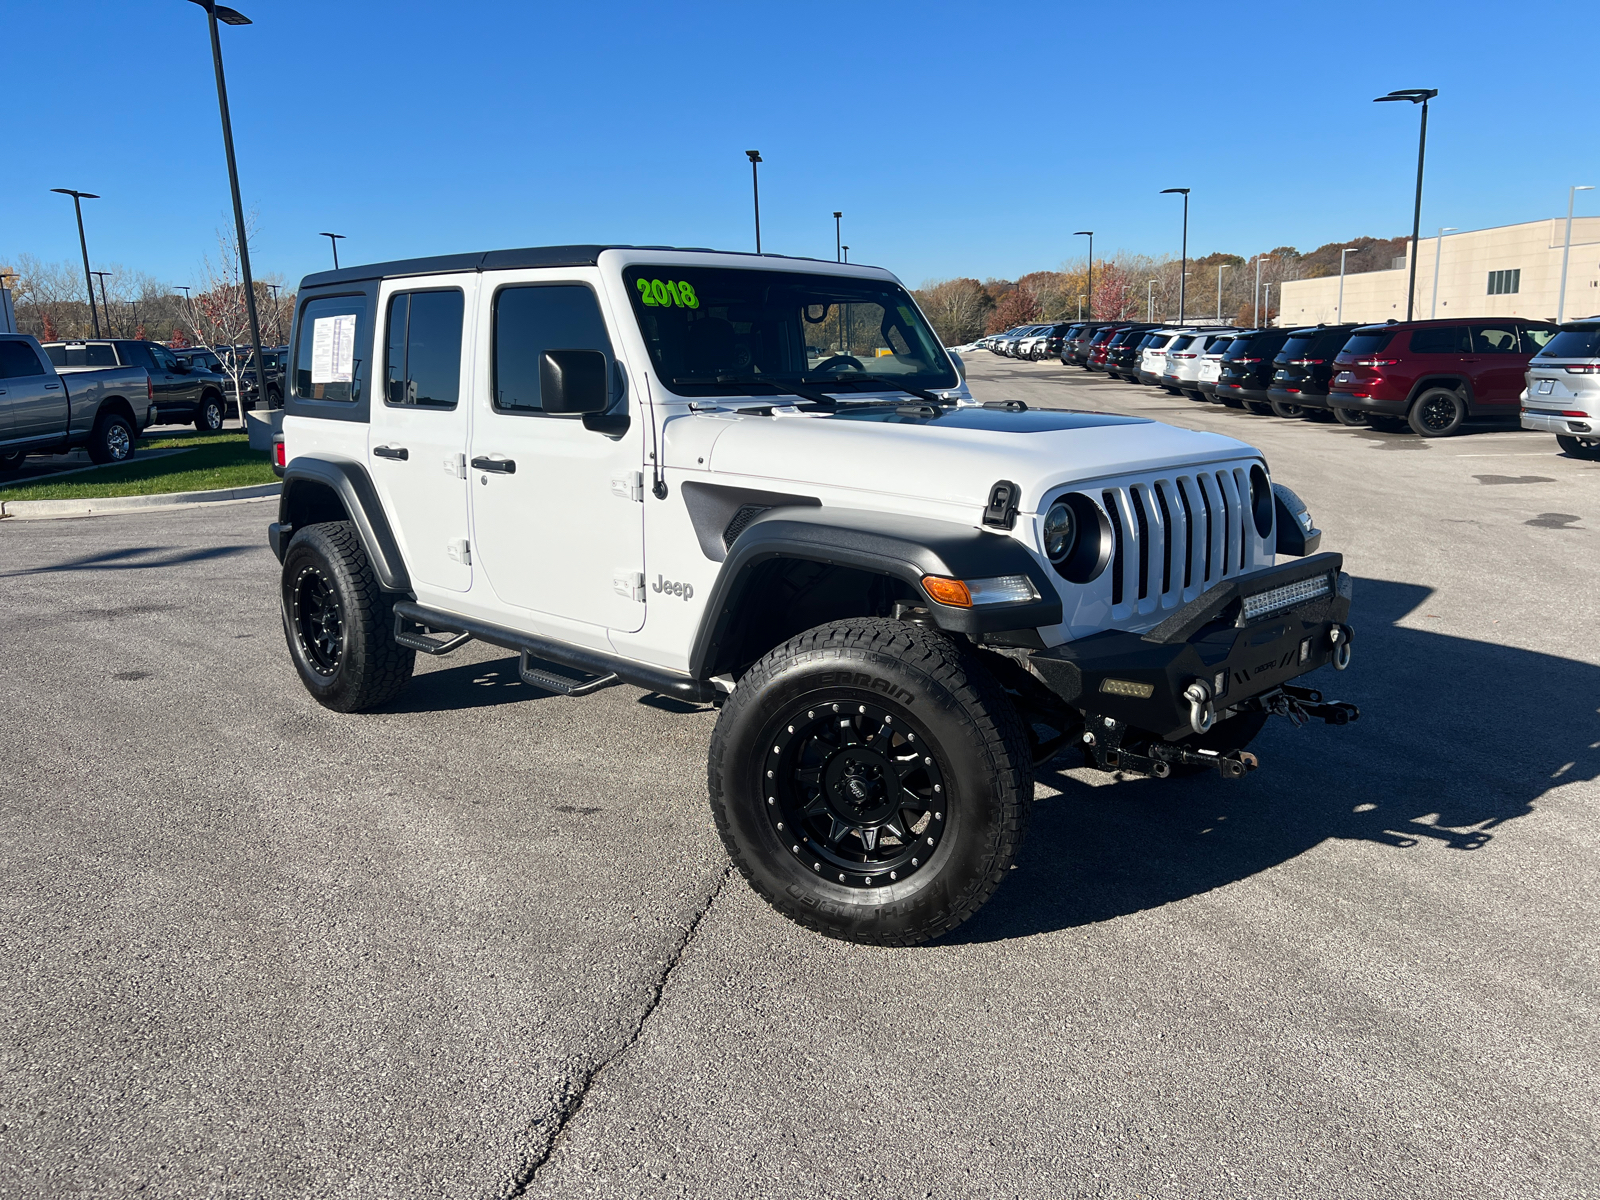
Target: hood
pixel 958 455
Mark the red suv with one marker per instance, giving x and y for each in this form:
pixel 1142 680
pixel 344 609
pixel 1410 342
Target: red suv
pixel 1436 375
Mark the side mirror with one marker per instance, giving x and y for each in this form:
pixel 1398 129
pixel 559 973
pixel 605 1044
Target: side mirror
pixel 573 382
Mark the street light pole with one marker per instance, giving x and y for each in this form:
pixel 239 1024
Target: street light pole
pixel 1566 249
pixel 1416 96
pixel 1219 295
pixel 1184 268
pixel 1257 320
pixel 333 240
pixel 83 245
pixel 1438 252
pixel 846 251
pixel 277 328
pixel 214 13
pixel 101 276
pixel 838 235
pixel 1089 233
pixel 1150 303
pixel 1338 315
pixel 755 191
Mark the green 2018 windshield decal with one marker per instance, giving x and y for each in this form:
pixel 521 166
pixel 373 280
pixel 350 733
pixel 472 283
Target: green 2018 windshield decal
pixel 668 294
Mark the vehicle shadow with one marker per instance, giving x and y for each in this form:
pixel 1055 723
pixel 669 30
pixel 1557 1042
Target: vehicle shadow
pixel 118 560
pixel 470 685
pixel 1457 738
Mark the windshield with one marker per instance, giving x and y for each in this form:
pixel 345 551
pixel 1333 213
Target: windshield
pixel 705 324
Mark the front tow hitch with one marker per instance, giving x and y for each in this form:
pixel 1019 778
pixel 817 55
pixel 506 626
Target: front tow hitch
pixel 1103 744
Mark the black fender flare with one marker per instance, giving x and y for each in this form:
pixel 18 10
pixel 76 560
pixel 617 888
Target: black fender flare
pixel 900 547
pixel 353 487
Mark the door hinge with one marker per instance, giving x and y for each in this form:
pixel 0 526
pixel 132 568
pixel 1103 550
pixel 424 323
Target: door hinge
pixel 628 485
pixel 629 584
pixel 459 551
pixel 455 466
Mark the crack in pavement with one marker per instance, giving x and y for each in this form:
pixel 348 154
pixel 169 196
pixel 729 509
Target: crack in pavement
pixel 572 1103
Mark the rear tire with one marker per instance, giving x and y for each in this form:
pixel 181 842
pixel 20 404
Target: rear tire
pixel 112 440
pixel 1352 418
pixel 1260 409
pixel 339 623
pixel 1438 412
pixel 11 461
pixel 209 416
pixel 841 827
pixel 1577 447
pixel 1289 412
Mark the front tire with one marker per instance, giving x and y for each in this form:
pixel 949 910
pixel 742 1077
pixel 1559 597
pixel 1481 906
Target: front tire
pixel 1438 412
pixel 339 623
pixel 112 440
pixel 871 781
pixel 209 416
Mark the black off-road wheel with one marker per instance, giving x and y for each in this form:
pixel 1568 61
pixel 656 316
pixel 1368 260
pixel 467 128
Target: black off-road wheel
pixel 339 623
pixel 111 440
pixel 209 416
pixel 1438 412
pixel 871 780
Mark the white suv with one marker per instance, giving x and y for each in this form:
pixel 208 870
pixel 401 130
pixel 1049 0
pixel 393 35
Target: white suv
pixel 759 482
pixel 1185 357
pixel 1563 393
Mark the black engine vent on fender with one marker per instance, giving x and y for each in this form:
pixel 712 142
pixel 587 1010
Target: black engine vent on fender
pixel 741 521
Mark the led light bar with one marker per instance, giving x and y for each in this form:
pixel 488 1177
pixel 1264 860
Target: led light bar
pixel 1127 687
pixel 1280 599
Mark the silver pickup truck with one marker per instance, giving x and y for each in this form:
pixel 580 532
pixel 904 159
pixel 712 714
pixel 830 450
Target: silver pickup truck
pixel 43 412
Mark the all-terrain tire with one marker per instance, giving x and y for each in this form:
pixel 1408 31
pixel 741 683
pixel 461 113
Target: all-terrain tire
pixel 112 439
pixel 339 623
pixel 212 412
pixel 1438 412
pixel 880 726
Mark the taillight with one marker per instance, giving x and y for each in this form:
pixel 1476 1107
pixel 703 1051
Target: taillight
pixel 280 453
pixel 1246 361
pixel 1307 362
pixel 1376 362
pixel 1180 356
pixel 149 390
pixel 1590 370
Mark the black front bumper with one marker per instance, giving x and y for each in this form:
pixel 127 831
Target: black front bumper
pixel 1207 641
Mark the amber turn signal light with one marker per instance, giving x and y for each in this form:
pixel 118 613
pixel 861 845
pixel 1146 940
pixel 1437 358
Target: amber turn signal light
pixel 947 591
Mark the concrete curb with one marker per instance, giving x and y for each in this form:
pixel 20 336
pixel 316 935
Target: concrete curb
pixel 23 509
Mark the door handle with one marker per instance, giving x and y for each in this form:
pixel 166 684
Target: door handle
pixel 50 387
pixel 399 453
pixel 500 466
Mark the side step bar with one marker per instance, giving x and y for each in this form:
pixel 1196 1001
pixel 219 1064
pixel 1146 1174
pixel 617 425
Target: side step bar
pixel 600 668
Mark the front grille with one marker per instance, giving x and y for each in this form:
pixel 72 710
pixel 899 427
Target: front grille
pixel 1173 538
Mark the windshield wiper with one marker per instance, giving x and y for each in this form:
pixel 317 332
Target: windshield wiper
pixel 780 386
pixel 879 383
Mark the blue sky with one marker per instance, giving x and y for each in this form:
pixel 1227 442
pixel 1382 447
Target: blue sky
pixel 957 139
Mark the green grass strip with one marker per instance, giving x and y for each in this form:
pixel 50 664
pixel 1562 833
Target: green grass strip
pixel 216 460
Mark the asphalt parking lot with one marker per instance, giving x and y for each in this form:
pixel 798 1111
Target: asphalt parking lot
pixel 485 942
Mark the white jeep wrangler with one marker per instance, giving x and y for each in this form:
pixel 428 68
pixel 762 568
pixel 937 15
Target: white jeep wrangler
pixel 760 482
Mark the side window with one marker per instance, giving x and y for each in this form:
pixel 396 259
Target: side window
pixel 530 320
pixel 423 359
pixel 160 358
pixel 331 340
pixel 99 354
pixel 1448 339
pixel 1536 337
pixel 18 361
pixel 1494 339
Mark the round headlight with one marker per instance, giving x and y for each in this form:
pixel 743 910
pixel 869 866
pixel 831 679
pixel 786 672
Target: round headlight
pixel 1058 532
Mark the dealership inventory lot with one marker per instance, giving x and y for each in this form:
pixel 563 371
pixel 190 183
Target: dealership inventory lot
pixel 486 939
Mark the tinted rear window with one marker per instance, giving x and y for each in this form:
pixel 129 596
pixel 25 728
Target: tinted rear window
pixel 96 355
pixel 1452 339
pixel 1368 343
pixel 1296 347
pixel 1573 343
pixel 1157 341
pixel 1182 343
pixel 1329 344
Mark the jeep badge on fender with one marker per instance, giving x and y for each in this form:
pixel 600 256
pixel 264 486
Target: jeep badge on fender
pixel 891 661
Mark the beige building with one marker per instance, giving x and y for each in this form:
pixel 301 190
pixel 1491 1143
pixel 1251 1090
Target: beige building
pixel 1507 271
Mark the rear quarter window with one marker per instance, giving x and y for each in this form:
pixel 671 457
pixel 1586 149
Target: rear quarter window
pixel 333 349
pixel 1452 339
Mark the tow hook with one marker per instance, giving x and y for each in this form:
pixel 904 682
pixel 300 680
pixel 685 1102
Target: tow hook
pixel 1104 749
pixel 1301 704
pixel 1202 713
pixel 1339 635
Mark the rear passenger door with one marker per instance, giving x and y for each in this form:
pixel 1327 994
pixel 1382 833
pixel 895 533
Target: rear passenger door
pixel 1498 369
pixel 417 436
pixel 33 404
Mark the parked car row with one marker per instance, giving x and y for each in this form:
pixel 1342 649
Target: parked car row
pixel 1431 376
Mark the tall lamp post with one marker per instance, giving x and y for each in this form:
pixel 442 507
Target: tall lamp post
pixel 1338 315
pixel 217 12
pixel 1566 249
pixel 1257 320
pixel 101 276
pixel 1219 295
pixel 846 252
pixel 1416 96
pixel 838 236
pixel 1089 233
pixel 755 191
pixel 77 205
pixel 1182 278
pixel 277 327
pixel 333 240
pixel 1150 302
pixel 1438 253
